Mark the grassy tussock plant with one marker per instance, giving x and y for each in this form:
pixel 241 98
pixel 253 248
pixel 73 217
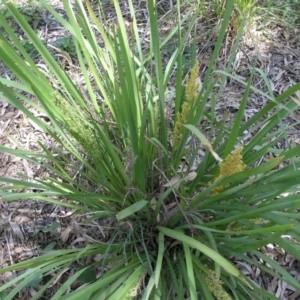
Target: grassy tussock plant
pixel 243 9
pixel 173 230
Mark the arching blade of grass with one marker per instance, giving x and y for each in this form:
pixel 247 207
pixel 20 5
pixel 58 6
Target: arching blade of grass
pixel 203 140
pixel 190 272
pixel 55 68
pixel 67 284
pixel 155 50
pixel 202 248
pixel 238 120
pixel 287 276
pixel 265 110
pixel 161 246
pixel 130 285
pixel 128 211
pixel 105 292
pixel 253 213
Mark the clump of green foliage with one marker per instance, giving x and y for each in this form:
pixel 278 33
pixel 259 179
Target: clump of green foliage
pixel 177 229
pixel 288 12
pixel 67 44
pixel 243 10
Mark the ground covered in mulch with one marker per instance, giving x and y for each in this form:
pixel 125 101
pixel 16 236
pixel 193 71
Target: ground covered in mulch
pixel 28 228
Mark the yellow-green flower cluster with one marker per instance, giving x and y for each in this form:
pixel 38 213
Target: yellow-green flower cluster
pixel 232 164
pixel 214 284
pixel 191 94
pixel 259 221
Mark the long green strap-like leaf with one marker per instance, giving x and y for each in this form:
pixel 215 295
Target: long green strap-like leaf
pixel 264 111
pixel 128 211
pixel 232 139
pixel 155 48
pixel 202 248
pixel 131 283
pixel 190 272
pixel 159 258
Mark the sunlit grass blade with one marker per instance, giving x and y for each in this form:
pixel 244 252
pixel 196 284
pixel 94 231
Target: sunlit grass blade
pixel 276 205
pixel 128 211
pixel 67 284
pixel 278 268
pixel 190 272
pixel 218 44
pixel 238 120
pixel 149 288
pixel 130 286
pixel 105 292
pixel 155 48
pixel 202 248
pixel 203 140
pixel 264 111
pixel 160 255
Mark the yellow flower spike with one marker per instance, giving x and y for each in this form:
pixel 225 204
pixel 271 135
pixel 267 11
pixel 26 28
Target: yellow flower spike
pixel 192 84
pixel 214 284
pixel 191 94
pixel 233 163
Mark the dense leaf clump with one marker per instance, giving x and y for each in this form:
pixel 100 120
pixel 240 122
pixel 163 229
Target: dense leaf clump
pixel 175 227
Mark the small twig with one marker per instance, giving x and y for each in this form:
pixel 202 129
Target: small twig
pixel 176 196
pixel 80 169
pixel 9 254
pixel 294 132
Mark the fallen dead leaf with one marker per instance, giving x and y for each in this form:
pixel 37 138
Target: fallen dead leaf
pixel 174 181
pixel 17 231
pixel 191 176
pixel 65 234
